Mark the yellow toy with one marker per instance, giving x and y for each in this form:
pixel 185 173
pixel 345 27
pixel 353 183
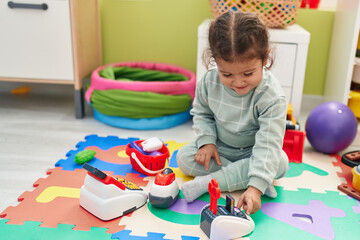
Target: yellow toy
pixel 356 177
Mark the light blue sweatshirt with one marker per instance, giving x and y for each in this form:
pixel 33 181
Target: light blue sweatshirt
pixel 256 119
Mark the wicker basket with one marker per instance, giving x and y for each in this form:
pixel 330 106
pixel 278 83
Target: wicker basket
pixel 274 13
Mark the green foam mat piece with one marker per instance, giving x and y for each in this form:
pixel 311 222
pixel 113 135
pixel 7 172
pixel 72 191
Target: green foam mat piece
pixel 32 231
pixel 296 169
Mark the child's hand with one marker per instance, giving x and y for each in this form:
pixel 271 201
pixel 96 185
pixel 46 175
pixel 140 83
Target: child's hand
pixel 204 154
pixel 250 200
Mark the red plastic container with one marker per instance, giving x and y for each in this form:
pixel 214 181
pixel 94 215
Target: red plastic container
pixel 303 3
pixel 311 3
pixel 145 164
pixel 294 145
pixel 314 3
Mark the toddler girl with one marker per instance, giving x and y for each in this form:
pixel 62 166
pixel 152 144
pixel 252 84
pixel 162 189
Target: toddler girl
pixel 239 115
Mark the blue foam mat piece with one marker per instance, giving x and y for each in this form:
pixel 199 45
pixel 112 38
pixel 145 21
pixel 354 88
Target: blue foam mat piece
pixel 172 161
pixel 118 169
pixel 103 143
pixel 125 234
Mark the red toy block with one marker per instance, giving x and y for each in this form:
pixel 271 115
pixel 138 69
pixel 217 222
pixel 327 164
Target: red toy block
pixel 294 145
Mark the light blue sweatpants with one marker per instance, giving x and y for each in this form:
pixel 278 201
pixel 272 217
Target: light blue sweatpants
pixel 232 175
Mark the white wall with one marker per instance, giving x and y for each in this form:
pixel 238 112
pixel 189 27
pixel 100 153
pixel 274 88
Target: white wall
pixel 328 4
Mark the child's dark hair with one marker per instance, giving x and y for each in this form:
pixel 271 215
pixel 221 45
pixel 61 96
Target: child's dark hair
pixel 237 37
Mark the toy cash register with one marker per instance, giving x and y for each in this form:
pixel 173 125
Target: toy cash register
pixel 108 197
pixel 224 222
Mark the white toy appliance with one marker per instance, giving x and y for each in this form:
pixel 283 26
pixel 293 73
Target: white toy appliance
pixel 224 222
pixel 108 197
pixel 164 190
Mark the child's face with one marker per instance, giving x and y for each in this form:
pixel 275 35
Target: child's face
pixel 241 76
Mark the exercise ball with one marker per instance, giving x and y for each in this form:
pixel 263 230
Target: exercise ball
pixel 331 127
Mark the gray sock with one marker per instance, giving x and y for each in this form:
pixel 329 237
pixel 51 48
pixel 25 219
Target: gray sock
pixel 271 192
pixel 195 188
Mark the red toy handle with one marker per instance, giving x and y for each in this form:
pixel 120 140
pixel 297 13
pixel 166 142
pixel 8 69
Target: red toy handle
pixel 214 192
pixel 164 179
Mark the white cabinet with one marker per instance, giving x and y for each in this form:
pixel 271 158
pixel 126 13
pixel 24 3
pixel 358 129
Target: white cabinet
pixel 36 43
pixel 50 41
pixel 290 46
pixel 283 68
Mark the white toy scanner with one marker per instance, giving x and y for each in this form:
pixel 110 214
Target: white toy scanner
pixel 224 222
pixel 107 197
pixel 164 190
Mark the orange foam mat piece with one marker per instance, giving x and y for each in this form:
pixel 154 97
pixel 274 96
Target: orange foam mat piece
pixel 111 155
pixel 65 210
pixel 345 170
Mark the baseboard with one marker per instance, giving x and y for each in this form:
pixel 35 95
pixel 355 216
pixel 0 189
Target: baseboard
pixel 309 102
pixel 57 89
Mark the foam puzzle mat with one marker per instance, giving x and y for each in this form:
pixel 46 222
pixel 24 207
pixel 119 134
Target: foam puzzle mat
pixel 308 205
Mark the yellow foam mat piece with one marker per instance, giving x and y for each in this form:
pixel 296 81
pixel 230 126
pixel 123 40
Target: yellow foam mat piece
pixel 50 193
